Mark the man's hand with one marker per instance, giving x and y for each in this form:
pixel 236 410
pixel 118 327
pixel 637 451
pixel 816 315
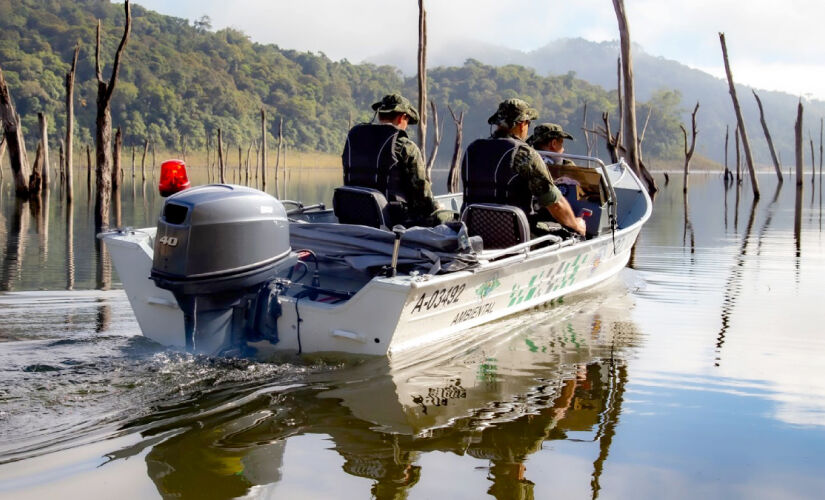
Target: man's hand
pixel 581 227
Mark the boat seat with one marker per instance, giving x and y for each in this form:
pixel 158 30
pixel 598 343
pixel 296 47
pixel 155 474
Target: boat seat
pixel 360 205
pixel 500 226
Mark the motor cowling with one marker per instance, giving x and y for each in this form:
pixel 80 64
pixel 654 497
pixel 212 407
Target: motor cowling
pixel 217 248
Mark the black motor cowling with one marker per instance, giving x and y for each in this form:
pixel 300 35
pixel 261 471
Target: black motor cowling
pixel 217 249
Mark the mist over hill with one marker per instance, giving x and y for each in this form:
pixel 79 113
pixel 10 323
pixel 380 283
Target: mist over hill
pixel 595 62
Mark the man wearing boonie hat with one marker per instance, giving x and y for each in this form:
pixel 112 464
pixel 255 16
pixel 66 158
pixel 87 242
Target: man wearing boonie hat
pixel 525 177
pixel 550 137
pixel 381 156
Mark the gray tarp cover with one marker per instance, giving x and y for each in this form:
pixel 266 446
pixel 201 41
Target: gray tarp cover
pixel 441 249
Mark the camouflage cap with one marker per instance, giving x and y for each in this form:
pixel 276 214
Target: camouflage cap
pixel 546 131
pixel 512 111
pixel 395 102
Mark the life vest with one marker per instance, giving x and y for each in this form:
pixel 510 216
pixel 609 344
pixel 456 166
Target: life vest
pixel 488 176
pixel 370 161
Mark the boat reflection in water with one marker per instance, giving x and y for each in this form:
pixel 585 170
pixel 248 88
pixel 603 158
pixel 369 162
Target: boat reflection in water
pixel 539 376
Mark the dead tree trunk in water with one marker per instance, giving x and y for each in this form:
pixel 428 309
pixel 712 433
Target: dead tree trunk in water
pixel 278 159
pixel 738 158
pixel 36 177
pixel 143 160
pixel 728 174
pixel 821 125
pixel 437 132
pixel 689 152
pixel 222 175
pixel 14 140
pixel 455 164
pixel 44 139
pixel 798 143
pixel 629 113
pixel 103 133
pixel 813 159
pixel 2 153
pixel 422 78
pixel 263 149
pixel 776 164
pixel 116 169
pixel 740 120
pixel 70 124
pixel 612 142
pixel 88 172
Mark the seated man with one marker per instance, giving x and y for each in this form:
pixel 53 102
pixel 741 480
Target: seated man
pixel 506 170
pixel 381 156
pixel 550 137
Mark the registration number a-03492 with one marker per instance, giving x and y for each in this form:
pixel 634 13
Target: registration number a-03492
pixel 439 298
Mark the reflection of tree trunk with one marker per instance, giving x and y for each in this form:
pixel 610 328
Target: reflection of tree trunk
pixel 768 219
pixel 733 286
pixel 104 317
pixel 610 422
pixel 69 245
pixel 736 211
pixel 797 223
pixel 15 246
pixel 103 268
pixel 43 226
pixel 688 227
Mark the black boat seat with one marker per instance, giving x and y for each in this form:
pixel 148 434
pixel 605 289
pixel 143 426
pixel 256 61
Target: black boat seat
pixel 360 205
pixel 500 226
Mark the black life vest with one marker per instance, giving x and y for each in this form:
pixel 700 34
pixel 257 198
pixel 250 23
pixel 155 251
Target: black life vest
pixel 370 161
pixel 488 176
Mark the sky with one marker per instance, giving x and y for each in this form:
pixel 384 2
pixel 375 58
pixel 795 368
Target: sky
pixel 772 45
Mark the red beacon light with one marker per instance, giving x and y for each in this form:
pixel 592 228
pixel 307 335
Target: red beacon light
pixel 172 177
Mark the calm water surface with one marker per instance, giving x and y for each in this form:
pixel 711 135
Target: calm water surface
pixel 698 373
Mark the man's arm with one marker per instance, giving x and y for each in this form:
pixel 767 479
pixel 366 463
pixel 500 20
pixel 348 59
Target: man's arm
pixel 548 195
pixel 563 213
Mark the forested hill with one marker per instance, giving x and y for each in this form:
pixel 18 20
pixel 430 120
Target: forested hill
pixel 179 79
pixel 595 62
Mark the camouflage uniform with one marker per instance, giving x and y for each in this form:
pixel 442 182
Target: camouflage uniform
pixel 544 133
pixel 417 189
pixel 526 162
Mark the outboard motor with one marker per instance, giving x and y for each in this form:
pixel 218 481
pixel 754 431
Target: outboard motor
pixel 220 250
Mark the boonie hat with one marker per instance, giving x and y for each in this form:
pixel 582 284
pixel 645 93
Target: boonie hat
pixel 512 111
pixel 395 102
pixel 547 131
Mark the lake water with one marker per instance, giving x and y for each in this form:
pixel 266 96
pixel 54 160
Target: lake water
pixel 698 373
